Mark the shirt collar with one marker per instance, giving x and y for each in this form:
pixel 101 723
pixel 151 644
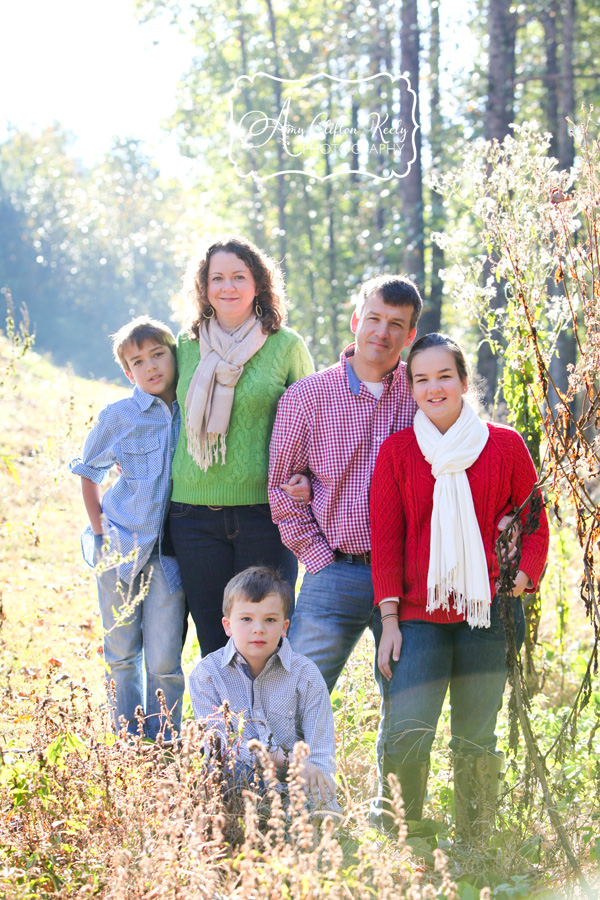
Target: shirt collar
pixel 229 652
pixel 143 400
pixel 284 652
pixel 354 380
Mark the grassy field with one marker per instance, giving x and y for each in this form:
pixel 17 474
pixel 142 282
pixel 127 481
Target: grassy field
pixel 81 815
pixel 47 592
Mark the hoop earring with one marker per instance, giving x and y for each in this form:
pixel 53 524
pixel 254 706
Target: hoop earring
pixel 205 315
pixel 258 310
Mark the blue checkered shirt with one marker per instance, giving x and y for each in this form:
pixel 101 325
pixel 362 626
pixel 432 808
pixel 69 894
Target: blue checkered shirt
pixel 287 702
pixel 140 433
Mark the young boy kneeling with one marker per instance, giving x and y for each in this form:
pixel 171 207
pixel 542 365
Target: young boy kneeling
pixel 139 433
pixel 280 695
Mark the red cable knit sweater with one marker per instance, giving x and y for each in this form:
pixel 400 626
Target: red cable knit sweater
pixel 401 504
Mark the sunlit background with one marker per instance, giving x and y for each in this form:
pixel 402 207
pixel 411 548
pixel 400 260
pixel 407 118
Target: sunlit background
pixel 91 66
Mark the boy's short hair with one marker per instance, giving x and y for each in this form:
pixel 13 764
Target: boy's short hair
pixel 396 290
pixel 254 584
pixel 139 330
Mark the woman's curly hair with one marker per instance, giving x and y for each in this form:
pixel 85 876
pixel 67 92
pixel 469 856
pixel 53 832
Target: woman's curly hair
pixel 268 278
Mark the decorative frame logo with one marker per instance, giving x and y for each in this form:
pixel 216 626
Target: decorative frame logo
pixel 322 126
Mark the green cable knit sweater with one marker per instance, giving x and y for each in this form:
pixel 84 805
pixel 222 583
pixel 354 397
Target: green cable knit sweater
pixel 242 479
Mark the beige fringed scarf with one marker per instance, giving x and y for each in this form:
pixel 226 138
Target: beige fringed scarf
pixel 457 563
pixel 210 395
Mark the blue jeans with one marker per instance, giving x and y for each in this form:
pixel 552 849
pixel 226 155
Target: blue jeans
pixel 143 645
pixel 471 661
pixel 333 609
pixel 213 545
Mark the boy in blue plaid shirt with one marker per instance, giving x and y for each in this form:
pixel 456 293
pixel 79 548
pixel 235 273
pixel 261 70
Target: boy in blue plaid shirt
pixel 143 639
pixel 278 695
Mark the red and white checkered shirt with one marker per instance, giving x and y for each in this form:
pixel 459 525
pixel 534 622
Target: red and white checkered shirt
pixel 331 424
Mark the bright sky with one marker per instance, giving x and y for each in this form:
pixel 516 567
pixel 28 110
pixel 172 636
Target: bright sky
pixel 91 66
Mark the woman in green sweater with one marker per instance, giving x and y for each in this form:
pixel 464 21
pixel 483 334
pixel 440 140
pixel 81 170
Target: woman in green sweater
pixel 235 360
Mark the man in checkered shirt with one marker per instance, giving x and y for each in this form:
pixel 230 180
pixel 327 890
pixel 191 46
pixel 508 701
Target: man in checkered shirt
pixel 332 425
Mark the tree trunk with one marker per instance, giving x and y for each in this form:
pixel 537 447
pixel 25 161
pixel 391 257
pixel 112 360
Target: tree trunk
pixel 378 64
pixel 258 232
pixel 502 30
pixel 432 312
pixel 549 22
pixel 331 254
pixel 411 186
pixel 566 147
pixel 566 347
pixel 313 307
pixel 281 192
pixel 354 156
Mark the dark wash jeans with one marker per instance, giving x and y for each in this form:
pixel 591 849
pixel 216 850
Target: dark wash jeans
pixel 214 544
pixel 471 661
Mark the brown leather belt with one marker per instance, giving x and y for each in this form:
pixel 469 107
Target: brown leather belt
pixel 364 558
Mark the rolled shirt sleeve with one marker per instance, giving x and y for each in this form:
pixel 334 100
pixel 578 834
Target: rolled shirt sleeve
pixel 289 455
pixel 98 455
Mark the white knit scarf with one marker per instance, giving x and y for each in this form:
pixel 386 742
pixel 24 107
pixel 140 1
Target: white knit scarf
pixel 209 397
pixel 457 564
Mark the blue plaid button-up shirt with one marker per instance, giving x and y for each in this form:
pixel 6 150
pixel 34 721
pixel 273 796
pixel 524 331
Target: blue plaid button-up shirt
pixel 287 702
pixel 140 433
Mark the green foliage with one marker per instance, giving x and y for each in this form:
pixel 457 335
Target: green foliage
pixel 329 235
pixel 332 235
pixel 502 196
pixel 61 746
pixel 87 249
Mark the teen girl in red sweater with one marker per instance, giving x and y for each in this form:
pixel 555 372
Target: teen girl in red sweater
pixel 438 491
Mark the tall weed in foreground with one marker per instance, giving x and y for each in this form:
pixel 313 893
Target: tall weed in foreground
pixel 539 229
pixel 19 341
pixel 83 815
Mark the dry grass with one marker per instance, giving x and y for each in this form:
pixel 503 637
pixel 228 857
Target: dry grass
pixel 125 819
pixel 48 596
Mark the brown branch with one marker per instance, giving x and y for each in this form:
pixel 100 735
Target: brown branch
pixel 540 771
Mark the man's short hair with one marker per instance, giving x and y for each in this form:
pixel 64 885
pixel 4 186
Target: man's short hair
pixel 254 584
pixel 396 290
pixel 137 332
